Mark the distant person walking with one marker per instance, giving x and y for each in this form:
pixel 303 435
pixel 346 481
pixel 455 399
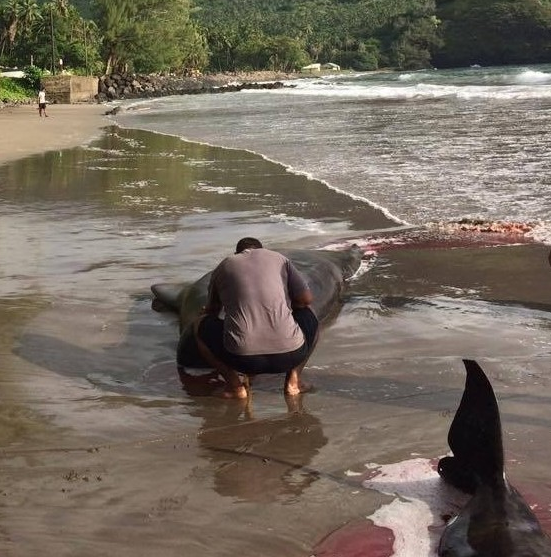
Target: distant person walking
pixel 42 103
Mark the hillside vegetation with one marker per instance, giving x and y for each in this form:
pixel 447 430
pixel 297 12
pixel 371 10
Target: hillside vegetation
pixel 186 36
pixel 14 90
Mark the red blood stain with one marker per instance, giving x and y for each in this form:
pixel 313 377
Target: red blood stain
pixel 365 539
pixel 453 235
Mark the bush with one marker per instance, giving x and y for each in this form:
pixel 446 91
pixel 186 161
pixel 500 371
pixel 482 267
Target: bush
pixel 358 61
pixel 14 89
pixel 33 75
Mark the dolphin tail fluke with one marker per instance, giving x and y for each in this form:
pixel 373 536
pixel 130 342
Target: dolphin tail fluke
pixel 475 435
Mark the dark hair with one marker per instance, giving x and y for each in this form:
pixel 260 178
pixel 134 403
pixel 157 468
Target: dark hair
pixel 247 243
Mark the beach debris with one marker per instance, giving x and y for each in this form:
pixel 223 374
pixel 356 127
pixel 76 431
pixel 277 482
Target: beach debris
pixel 492 227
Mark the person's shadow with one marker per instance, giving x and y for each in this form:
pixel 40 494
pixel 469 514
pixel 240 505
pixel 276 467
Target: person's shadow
pixel 258 460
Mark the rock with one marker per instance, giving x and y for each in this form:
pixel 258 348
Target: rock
pixel 112 93
pixel 135 86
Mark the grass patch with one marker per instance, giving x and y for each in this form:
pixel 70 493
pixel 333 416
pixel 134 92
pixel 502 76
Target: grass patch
pixel 13 89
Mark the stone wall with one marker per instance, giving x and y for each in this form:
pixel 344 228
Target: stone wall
pixel 68 89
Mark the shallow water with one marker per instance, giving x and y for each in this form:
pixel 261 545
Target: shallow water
pixel 101 450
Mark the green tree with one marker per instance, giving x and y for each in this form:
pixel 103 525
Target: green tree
pixel 273 53
pixel 27 27
pixel 10 12
pixel 75 40
pixel 117 22
pixel 412 48
pixel 360 34
pixel 496 32
pixel 29 15
pixel 149 35
pixel 181 43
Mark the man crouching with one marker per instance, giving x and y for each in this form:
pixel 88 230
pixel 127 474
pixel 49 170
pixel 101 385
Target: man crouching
pixel 267 326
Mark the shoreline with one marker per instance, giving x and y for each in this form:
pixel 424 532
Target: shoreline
pixel 67 125
pixel 72 125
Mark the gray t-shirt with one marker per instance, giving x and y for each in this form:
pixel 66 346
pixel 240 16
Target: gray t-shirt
pixel 255 287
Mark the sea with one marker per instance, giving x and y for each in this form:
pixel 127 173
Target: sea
pixel 422 146
pixel 442 177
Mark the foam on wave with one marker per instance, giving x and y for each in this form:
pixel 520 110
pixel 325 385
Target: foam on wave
pixel 420 91
pixel 533 76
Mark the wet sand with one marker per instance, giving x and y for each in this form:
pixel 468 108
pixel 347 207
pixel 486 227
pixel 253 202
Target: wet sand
pixel 102 453
pixel 25 133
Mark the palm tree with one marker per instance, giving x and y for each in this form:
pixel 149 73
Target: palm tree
pixel 61 7
pixel 29 14
pixel 117 21
pixel 9 13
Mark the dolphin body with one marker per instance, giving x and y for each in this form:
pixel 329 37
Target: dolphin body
pixel 325 271
pixel 496 522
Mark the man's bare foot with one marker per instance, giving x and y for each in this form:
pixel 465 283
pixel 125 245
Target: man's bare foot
pixel 297 389
pixel 239 393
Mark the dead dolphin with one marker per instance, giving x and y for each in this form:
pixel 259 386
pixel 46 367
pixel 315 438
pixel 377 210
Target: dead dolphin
pixel 496 522
pixel 324 270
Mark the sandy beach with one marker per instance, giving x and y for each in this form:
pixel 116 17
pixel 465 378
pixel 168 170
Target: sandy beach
pixel 101 451
pixel 25 133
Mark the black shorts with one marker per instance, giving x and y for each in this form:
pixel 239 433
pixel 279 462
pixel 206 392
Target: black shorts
pixel 211 332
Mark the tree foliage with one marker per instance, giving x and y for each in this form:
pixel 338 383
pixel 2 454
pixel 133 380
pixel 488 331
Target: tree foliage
pixel 360 34
pixel 14 90
pixel 229 35
pixel 495 32
pixel 42 34
pixel 149 35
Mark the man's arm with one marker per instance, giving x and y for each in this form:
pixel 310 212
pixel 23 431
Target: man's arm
pixel 214 305
pixel 299 291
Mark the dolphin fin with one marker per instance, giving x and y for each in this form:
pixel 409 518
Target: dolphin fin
pixel 167 296
pixel 475 436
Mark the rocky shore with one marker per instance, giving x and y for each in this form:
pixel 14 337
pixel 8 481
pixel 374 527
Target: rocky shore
pixel 134 86
pixel 118 86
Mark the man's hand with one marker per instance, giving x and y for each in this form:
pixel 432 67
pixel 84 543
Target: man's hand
pixel 211 309
pixel 302 300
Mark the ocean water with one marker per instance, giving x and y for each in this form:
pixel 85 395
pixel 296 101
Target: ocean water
pixel 425 146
